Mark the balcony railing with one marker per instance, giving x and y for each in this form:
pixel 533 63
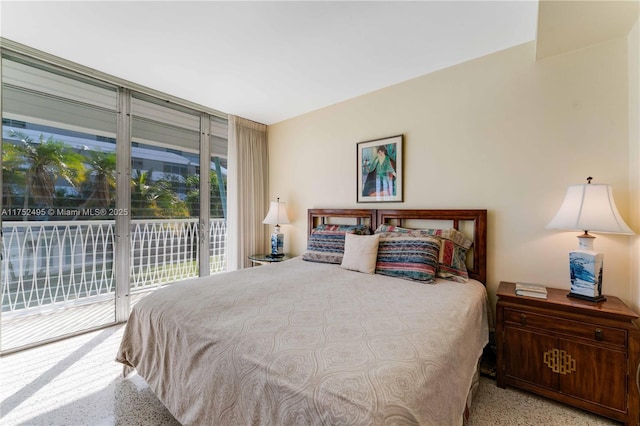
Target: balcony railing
pixel 49 264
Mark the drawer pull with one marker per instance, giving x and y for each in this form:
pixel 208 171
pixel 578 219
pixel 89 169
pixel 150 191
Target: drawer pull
pixel 599 335
pixel 523 319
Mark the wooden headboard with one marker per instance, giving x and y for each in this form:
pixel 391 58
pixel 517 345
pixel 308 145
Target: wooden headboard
pixel 356 216
pixel 472 223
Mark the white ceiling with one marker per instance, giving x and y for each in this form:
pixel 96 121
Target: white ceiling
pixel 268 61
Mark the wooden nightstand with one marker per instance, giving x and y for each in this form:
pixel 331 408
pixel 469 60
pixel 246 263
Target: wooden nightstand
pixel 263 258
pixel 580 353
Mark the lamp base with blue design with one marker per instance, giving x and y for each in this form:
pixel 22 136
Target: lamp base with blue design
pixel 277 243
pixel 585 265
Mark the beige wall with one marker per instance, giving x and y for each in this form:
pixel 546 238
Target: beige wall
pixel 634 158
pixel 502 132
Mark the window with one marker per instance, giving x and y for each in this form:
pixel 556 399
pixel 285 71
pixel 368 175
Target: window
pixel 56 168
pixel 165 237
pixel 60 220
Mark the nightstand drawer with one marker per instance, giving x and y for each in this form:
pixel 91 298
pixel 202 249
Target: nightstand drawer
pixel 595 333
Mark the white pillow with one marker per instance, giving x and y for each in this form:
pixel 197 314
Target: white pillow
pixel 360 253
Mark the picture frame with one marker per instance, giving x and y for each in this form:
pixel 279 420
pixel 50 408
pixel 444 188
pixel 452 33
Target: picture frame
pixel 379 170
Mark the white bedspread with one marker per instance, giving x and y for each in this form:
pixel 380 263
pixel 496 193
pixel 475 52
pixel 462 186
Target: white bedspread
pixel 307 343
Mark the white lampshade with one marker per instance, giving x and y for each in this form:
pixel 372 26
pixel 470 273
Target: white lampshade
pixel 589 207
pixel 277 214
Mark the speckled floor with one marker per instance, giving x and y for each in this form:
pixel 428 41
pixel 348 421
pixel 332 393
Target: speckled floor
pixel 77 382
pixel 512 407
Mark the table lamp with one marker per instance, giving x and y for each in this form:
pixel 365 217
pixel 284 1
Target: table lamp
pixel 588 207
pixel 277 215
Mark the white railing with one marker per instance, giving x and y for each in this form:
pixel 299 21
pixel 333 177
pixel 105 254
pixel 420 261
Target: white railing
pixel 163 251
pixel 61 262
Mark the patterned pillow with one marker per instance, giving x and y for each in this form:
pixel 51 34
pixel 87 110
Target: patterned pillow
pixel 326 242
pixel 407 256
pixel 453 249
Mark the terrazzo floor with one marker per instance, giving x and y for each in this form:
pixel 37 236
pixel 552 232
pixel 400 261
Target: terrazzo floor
pixel 77 382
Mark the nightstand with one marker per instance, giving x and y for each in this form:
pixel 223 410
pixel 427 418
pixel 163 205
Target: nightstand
pixel 265 258
pixel 579 353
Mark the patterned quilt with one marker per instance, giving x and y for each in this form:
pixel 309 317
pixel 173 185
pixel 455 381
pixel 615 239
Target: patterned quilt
pixel 306 343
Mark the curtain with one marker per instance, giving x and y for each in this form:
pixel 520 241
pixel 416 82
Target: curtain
pixel 247 185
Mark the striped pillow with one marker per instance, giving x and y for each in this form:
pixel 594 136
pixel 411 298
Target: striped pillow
pixel 452 259
pixel 407 256
pixel 326 242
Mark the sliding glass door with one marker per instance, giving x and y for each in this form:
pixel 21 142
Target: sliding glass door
pixel 102 199
pixel 58 192
pixel 165 162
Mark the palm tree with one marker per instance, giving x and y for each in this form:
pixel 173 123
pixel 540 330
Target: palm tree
pixel 102 189
pixel 167 200
pixel 216 209
pixel 12 176
pixel 154 199
pixel 141 197
pixel 43 163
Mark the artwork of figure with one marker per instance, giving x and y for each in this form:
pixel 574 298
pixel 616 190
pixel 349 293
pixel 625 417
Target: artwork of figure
pixel 379 169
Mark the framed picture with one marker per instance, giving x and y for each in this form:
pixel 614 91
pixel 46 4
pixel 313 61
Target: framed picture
pixel 380 170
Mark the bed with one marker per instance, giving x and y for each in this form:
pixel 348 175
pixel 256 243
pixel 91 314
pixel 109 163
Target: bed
pixel 308 342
